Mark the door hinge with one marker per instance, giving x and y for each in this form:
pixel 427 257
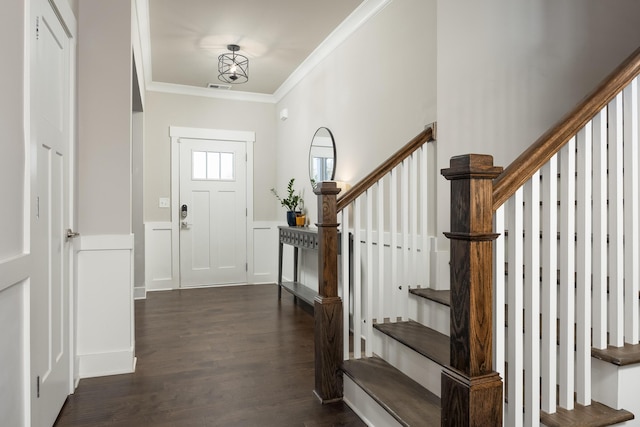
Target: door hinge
pixel 38 386
pixel 37 28
pixel 246 211
pixel 246 266
pixel 37 207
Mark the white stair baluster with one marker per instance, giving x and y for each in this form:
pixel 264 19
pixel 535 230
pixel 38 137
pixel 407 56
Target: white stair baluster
pixel 404 203
pixel 425 212
pixel 382 284
pixel 532 300
pixel 631 213
pixel 413 213
pixel 616 225
pixel 499 295
pixel 583 267
pixel 549 284
pixel 567 273
pixel 599 259
pixel 357 282
pixel 515 348
pixel 346 297
pixel 393 246
pixel 370 282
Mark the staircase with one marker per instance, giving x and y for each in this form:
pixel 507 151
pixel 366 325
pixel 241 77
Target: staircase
pixel 540 324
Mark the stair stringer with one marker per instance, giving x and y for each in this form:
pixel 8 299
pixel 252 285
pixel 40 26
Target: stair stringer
pixel 617 387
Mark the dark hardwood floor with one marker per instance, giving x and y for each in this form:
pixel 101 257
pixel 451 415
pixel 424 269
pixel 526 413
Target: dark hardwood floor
pixel 229 356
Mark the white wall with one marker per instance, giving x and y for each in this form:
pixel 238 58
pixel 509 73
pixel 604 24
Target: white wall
pixel 375 92
pixel 137 214
pixel 163 110
pixel 509 69
pixel 12 160
pixel 14 263
pixel 104 117
pixel 105 339
pixel 74 6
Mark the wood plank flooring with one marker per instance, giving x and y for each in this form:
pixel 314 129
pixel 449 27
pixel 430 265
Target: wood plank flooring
pixel 226 356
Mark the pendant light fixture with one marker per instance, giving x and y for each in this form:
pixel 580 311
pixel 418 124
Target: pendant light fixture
pixel 232 67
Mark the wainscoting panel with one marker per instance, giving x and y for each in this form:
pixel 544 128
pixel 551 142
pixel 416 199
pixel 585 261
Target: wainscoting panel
pixel 106 342
pixel 162 255
pixel 265 252
pixel 14 343
pixel 160 264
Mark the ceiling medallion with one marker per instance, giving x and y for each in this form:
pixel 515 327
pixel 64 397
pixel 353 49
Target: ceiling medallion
pixel 232 67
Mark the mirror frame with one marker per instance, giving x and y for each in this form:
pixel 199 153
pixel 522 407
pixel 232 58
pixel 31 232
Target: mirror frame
pixel 333 146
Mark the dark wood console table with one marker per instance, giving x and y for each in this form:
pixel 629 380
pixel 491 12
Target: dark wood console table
pixel 299 238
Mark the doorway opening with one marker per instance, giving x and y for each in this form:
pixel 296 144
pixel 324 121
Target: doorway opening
pixel 212 205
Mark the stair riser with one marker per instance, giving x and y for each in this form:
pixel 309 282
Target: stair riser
pixel 419 368
pixel 429 313
pixel 365 407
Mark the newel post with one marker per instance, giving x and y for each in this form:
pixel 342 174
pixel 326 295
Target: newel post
pixel 471 391
pixel 328 305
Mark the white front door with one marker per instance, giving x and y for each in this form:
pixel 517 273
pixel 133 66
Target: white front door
pixel 213 212
pixel 50 288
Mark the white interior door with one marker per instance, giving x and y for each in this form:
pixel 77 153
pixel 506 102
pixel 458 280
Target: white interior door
pixel 50 288
pixel 213 212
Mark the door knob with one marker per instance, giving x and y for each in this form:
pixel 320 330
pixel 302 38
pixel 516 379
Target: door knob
pixel 71 234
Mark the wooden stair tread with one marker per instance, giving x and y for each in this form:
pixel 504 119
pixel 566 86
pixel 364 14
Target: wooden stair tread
pixel 404 399
pixel 301 291
pixel 443 297
pixel 424 340
pixel 594 415
pixel 621 356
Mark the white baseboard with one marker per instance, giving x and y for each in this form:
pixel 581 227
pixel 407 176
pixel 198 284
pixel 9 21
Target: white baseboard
pixel 263 279
pixel 161 285
pixel 76 372
pixel 103 364
pixel 139 292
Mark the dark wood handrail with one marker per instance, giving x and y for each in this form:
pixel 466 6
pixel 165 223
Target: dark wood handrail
pixel 363 185
pixel 541 151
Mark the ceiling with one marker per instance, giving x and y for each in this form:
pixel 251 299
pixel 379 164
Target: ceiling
pixel 186 37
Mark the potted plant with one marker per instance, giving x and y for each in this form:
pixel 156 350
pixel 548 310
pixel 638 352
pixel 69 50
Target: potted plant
pixel 291 202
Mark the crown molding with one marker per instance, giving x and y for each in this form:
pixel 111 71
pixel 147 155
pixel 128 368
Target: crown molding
pixel 69 22
pixel 210 93
pixel 364 12
pixel 142 13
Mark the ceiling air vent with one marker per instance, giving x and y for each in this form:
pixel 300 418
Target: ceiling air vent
pixel 218 86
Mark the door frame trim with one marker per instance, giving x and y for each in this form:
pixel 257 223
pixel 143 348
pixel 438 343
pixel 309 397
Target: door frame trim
pixel 175 133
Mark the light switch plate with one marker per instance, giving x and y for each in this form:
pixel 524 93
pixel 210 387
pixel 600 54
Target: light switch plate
pixel 163 202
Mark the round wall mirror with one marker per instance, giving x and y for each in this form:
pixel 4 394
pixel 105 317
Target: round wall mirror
pixel 322 157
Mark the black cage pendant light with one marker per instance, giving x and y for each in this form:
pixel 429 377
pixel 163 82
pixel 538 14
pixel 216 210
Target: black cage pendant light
pixel 232 67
